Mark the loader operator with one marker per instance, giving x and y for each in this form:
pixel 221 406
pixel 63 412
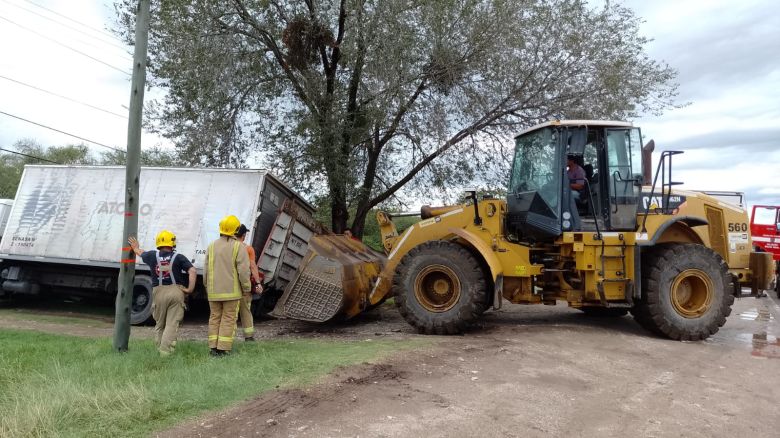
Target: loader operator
pixel 245 308
pixel 169 287
pixel 576 175
pixel 226 278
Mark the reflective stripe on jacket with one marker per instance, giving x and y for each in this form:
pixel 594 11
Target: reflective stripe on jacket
pixel 227 270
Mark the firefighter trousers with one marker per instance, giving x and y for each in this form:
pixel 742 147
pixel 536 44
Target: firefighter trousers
pixel 222 324
pixel 245 314
pixel 167 311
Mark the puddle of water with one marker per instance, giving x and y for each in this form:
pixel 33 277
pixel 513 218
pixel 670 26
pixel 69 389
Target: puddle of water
pixel 757 336
pixel 766 346
pixel 749 315
pixel 756 315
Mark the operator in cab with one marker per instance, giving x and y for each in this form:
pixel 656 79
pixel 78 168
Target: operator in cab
pixel 576 176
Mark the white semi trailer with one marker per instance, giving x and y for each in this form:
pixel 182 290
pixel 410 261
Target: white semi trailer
pixel 5 210
pixel 64 231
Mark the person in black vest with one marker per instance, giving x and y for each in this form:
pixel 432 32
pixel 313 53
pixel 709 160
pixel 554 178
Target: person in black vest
pixel 169 287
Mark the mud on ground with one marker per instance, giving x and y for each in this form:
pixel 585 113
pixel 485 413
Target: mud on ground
pixel 527 371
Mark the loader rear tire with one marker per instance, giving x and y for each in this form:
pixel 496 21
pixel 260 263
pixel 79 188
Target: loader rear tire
pixel 686 292
pixel 440 288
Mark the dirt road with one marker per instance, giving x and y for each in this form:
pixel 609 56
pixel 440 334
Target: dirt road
pixel 524 371
pixel 534 371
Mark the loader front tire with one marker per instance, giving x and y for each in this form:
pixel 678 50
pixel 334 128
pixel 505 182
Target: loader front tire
pixel 440 288
pixel 686 292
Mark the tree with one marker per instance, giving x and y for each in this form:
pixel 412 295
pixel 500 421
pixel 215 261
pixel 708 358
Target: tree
pixel 32 152
pixel 154 156
pixel 357 99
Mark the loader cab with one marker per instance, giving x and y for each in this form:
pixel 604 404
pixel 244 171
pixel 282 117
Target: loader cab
pixel 541 200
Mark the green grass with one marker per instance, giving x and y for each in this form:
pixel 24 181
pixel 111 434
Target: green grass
pixel 56 319
pixel 63 386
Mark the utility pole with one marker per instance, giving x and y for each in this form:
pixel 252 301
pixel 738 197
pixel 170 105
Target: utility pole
pixel 124 297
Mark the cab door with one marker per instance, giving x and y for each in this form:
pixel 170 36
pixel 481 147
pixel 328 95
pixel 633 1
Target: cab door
pixel 623 177
pixel 765 228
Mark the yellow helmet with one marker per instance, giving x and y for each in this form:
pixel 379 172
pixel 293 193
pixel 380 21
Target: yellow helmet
pixel 228 225
pixel 165 238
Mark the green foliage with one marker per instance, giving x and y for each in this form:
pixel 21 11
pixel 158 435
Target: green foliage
pixel 12 165
pixel 10 174
pixel 60 386
pixel 371 235
pixel 361 101
pixel 373 238
pixel 154 156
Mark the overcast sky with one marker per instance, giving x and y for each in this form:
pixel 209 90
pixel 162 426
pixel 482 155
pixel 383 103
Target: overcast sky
pixel 726 53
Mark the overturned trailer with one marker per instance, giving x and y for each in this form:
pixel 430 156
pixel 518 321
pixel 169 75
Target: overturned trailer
pixel 64 232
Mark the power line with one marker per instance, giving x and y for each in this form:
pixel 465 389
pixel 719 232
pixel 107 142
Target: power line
pixel 71 19
pixel 29 156
pixel 65 45
pixel 63 132
pixel 74 28
pixel 64 97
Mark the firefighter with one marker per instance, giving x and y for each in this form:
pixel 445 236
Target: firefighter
pixel 245 308
pixel 226 278
pixel 169 287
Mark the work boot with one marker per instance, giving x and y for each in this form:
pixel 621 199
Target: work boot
pixel 214 352
pixel 249 339
pixel 223 353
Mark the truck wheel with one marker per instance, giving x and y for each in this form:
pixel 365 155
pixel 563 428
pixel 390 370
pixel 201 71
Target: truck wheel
pixel 439 288
pixel 686 292
pixel 141 306
pixel 265 304
pixel 604 312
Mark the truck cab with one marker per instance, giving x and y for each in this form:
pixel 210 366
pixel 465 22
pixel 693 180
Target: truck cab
pixel 765 229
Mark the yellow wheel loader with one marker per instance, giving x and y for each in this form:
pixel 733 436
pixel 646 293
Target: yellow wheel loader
pixel 604 238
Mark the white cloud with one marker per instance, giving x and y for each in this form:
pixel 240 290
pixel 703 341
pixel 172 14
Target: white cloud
pixel 725 53
pixel 37 60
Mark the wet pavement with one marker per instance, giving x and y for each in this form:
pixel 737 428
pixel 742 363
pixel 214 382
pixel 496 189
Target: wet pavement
pixel 753 326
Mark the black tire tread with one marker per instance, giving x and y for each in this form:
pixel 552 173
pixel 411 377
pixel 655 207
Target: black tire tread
pixel 145 316
pixel 471 305
pixel 649 312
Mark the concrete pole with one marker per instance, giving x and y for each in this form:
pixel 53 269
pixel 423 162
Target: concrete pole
pixel 124 297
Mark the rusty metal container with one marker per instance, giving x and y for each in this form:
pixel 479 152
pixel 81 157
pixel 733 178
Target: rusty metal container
pixel 334 281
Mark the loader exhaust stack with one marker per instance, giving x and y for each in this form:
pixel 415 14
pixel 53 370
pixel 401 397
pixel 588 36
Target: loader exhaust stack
pixel 333 282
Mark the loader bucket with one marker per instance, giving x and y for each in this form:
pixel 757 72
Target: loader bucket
pixel 334 280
